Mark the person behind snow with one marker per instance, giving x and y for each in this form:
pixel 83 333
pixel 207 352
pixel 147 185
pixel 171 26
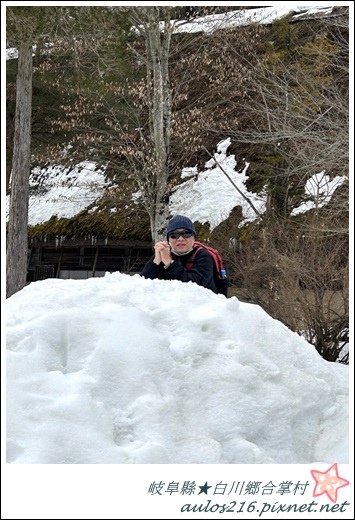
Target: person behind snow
pixel 172 255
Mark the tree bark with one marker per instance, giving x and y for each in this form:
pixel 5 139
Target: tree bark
pixel 160 118
pixel 17 244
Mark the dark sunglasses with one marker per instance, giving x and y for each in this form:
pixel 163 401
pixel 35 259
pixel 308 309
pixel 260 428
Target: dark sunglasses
pixel 183 234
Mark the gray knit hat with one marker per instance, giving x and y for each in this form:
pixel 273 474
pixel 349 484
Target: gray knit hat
pixel 180 222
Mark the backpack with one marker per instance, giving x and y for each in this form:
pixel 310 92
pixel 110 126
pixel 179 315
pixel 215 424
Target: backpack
pixel 219 270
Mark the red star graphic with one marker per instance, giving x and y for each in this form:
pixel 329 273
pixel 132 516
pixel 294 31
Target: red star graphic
pixel 328 482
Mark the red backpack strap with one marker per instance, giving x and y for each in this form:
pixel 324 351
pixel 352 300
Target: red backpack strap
pixel 197 247
pixel 217 259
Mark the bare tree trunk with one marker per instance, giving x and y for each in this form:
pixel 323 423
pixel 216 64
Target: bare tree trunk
pixel 156 29
pixel 160 117
pixel 17 245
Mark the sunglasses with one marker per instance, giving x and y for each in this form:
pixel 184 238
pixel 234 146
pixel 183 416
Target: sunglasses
pixel 183 234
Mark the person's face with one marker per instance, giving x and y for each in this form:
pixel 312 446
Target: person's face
pixel 181 240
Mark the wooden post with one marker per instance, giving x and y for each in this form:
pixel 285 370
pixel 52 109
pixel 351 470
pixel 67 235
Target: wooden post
pixel 95 261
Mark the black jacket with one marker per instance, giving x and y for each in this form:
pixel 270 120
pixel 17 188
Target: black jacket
pixel 201 271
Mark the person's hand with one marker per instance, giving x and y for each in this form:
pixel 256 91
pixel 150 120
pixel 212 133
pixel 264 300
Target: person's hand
pixel 162 253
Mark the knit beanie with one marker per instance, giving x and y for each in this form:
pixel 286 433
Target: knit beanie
pixel 180 222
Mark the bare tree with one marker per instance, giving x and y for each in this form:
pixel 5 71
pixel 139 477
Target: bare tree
pixel 95 86
pixel 155 27
pixel 298 276
pixel 296 266
pixel 16 253
pixel 157 119
pixel 298 109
